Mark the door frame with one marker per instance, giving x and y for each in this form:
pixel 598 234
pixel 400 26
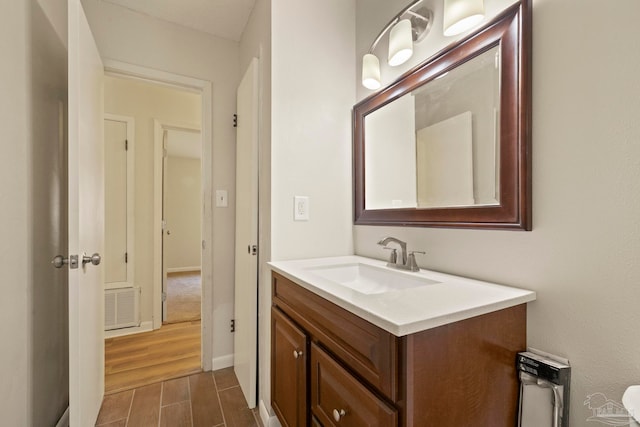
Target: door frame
pixel 204 88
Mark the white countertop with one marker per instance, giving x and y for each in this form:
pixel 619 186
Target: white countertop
pixel 406 311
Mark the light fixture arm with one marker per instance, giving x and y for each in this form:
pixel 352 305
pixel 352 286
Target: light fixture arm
pixel 395 20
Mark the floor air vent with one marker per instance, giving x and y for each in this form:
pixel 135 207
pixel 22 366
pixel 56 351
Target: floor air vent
pixel 121 308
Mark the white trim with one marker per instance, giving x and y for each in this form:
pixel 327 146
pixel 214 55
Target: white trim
pixel 64 419
pixel 205 88
pixel 144 327
pixel 137 72
pixel 131 185
pixel 183 269
pixel 222 362
pixel 158 279
pixel 267 420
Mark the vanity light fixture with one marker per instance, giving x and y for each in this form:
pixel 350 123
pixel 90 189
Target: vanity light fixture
pixel 400 43
pixel 461 15
pixel 407 27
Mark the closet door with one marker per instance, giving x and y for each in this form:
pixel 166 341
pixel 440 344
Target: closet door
pixel 118 151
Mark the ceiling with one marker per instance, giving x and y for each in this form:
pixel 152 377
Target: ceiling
pixel 221 18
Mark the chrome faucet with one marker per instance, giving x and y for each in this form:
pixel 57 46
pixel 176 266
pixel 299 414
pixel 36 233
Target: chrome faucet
pixel 406 262
pixel 403 248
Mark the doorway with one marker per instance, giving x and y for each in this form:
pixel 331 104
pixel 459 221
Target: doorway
pixel 188 114
pixel 182 220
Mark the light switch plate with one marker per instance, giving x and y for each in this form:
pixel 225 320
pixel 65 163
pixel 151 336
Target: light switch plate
pixel 301 208
pixel 222 199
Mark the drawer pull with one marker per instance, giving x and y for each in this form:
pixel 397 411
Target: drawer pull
pixel 297 354
pixel 337 415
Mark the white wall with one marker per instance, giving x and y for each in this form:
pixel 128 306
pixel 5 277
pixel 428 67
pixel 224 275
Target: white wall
pixel 183 201
pixel 33 308
pixel 312 95
pixel 582 257
pixel 146 102
pixel 134 38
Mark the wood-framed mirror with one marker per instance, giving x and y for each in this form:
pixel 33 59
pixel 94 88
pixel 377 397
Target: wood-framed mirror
pixel 448 144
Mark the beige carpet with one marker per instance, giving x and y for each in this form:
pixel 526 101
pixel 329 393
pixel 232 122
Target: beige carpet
pixel 183 296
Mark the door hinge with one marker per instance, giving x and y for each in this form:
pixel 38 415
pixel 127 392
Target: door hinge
pixel 164 296
pixel 204 246
pixel 126 145
pixel 235 120
pixel 232 325
pixel 126 257
pixel 252 249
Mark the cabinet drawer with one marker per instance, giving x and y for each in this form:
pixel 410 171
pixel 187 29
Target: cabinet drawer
pixel 338 399
pixel 367 349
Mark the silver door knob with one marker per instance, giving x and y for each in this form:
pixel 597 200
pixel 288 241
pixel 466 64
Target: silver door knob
pixel 59 261
pixel 297 354
pixel 93 259
pixel 338 414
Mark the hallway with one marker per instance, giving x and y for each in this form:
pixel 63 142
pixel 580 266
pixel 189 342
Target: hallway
pixel 141 359
pixel 211 399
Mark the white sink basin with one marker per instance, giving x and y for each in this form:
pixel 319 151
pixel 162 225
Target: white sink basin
pixel 369 279
pixel 400 302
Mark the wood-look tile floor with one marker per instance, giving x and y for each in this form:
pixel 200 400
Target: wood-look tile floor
pixel 207 399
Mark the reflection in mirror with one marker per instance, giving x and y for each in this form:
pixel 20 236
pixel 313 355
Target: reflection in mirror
pixel 437 145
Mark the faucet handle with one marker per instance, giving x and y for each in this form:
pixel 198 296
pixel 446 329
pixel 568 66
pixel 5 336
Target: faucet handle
pixel 411 261
pixel 393 258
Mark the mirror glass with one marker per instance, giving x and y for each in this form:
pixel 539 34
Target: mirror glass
pixel 436 146
pixel 448 144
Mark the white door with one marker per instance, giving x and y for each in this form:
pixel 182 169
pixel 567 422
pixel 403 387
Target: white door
pixel 246 286
pixel 119 199
pixel 86 221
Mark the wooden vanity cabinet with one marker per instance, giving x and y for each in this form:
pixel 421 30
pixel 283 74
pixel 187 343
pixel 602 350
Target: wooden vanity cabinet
pixel 353 373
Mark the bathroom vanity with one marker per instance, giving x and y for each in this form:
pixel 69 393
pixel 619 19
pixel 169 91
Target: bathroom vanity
pixel 355 343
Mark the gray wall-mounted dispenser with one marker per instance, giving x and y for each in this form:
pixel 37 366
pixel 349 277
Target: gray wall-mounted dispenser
pixel 544 390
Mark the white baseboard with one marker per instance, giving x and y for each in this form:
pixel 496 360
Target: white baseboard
pixel 144 327
pixel 222 362
pixel 64 419
pixel 267 420
pixel 182 269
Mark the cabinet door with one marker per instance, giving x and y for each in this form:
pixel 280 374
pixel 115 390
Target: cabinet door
pixel 288 371
pixel 339 399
